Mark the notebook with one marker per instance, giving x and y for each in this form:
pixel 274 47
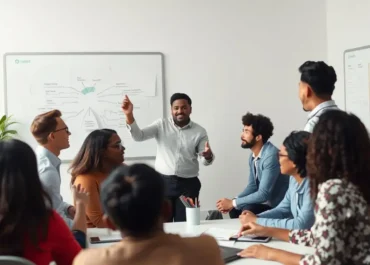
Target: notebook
pixel 229 254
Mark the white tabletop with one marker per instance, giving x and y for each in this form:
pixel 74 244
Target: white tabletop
pixel 185 230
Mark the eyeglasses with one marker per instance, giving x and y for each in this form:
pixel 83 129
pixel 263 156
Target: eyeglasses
pixel 281 155
pixel 65 129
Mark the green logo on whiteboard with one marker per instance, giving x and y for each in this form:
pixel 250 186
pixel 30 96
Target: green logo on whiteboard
pixel 17 61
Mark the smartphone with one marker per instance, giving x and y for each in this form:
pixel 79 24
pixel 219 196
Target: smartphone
pixel 261 239
pixel 97 240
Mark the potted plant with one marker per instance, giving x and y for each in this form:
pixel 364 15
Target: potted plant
pixel 5 131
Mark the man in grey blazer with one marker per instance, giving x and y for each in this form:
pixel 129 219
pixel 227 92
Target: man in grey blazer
pixel 266 185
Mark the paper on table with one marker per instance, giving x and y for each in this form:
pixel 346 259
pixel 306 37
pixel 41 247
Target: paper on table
pixel 111 237
pixel 221 234
pixel 226 243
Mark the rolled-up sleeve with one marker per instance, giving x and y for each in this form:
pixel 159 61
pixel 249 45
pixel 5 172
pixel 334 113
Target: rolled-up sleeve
pixel 146 133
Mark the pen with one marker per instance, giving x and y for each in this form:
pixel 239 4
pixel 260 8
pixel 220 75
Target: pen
pixel 191 202
pixel 196 202
pixel 184 201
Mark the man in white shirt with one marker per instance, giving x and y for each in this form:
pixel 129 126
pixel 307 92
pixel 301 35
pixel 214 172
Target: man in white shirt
pixel 52 134
pixel 180 142
pixel 316 88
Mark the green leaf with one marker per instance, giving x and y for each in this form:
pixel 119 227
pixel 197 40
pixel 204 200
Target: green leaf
pixel 3 118
pixel 9 124
pixel 9 132
pixel 5 123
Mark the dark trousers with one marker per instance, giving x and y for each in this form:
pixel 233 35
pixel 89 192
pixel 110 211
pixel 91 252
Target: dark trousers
pixel 254 208
pixel 175 187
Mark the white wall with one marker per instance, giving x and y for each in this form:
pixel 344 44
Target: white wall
pixel 229 56
pixel 348 25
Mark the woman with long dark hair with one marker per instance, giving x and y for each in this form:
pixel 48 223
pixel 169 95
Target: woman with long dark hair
pixel 29 227
pixel 101 152
pixel 338 165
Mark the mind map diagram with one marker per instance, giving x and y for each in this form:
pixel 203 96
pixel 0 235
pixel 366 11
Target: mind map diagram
pixel 89 103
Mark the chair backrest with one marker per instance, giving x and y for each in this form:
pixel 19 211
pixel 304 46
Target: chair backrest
pixel 13 260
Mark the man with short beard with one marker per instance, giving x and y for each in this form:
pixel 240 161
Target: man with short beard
pixel 266 185
pixel 180 142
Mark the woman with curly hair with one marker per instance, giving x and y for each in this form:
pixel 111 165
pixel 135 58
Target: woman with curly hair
pixel 338 165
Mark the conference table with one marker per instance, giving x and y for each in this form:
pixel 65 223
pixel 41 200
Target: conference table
pixel 185 230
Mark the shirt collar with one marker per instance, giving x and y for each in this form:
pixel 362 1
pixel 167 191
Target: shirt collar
pixel 325 104
pixel 260 153
pixel 54 160
pixel 301 187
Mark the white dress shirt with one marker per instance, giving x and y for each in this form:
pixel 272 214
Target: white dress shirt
pixel 178 148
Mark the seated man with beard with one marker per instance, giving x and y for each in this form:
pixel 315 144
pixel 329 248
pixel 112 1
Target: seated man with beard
pixel 266 185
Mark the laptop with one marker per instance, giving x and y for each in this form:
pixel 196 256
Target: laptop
pixel 229 254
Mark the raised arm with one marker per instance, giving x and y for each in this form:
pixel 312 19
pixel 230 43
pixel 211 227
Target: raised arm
pixel 137 134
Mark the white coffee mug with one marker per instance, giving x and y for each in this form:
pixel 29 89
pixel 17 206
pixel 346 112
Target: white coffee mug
pixel 193 216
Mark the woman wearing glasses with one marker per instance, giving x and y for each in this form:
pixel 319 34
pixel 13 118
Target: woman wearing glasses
pixel 101 152
pixel 295 211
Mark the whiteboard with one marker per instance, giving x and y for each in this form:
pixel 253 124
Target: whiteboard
pixel 88 88
pixel 357 83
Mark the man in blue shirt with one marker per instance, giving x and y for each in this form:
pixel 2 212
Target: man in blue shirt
pixel 295 211
pixel 266 185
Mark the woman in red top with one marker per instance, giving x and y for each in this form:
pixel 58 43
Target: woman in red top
pixel 29 228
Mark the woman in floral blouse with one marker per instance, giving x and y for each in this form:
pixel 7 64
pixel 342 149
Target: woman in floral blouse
pixel 338 163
